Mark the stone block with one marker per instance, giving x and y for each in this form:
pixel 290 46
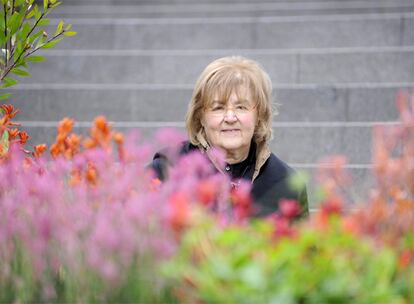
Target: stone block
pixel 235 33
pixel 357 67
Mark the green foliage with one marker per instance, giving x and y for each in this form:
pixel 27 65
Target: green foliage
pixel 248 265
pixel 4 142
pixel 22 33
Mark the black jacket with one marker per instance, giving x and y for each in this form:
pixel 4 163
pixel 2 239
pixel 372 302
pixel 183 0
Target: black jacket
pixel 269 187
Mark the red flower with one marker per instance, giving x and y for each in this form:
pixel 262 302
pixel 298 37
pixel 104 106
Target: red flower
pixel 405 258
pixel 289 208
pixel 281 226
pixel 206 191
pixel 180 211
pixel 332 206
pixel 242 201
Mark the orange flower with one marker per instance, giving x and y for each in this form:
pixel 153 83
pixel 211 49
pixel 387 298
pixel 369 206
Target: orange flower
pixel 55 150
pixel 9 110
pixel 23 137
pixel 13 133
pixel 89 143
pixel 39 150
pixel 91 174
pixel 119 138
pixel 101 124
pixel 66 126
pixel 75 178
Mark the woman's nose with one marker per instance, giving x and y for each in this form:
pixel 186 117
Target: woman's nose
pixel 230 115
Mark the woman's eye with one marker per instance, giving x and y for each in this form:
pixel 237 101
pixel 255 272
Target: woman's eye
pixel 217 108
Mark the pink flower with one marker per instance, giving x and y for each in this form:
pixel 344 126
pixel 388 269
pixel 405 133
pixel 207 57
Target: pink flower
pixel 289 208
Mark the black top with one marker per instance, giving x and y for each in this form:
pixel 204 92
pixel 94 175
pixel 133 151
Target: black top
pixel 269 187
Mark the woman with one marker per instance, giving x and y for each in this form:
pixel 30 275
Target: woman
pixel 231 109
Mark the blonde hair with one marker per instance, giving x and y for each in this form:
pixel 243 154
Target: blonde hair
pixel 222 77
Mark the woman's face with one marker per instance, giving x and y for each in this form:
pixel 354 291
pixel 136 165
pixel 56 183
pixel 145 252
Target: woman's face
pixel 230 124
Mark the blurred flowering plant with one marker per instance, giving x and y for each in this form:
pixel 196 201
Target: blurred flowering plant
pixel 336 256
pixel 92 223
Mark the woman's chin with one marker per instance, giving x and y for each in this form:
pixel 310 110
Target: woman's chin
pixel 232 145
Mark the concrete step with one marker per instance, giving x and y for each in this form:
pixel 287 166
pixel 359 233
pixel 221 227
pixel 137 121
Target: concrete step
pixel 256 9
pixel 324 31
pixel 299 142
pixel 191 2
pixel 327 66
pixel 147 103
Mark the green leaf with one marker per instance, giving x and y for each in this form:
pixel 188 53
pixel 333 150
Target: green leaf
pixel 36 58
pixel 43 22
pixel 31 14
pixel 51 44
pixel 69 34
pixel 4 142
pixel 298 180
pixel 55 5
pixel 59 27
pixel 14 22
pixel 8 82
pixel 45 4
pixel 25 30
pixel 34 36
pixel 4 96
pixel 68 27
pixel 20 72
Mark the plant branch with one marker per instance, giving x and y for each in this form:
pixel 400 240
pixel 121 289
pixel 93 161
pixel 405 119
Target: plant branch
pixel 34 25
pixel 39 47
pixel 5 33
pixel 28 54
pixel 20 26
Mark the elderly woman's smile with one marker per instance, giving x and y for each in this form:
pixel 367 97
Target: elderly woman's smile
pixel 230 125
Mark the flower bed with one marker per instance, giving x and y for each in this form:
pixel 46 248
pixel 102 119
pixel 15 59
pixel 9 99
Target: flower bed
pixel 90 223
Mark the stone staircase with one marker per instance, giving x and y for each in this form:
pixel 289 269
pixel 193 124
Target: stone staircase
pixel 336 67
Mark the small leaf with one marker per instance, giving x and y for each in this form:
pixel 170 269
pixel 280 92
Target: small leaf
pixel 59 27
pixel 20 72
pixel 8 82
pixel 55 5
pixel 68 27
pixel 4 143
pixel 4 96
pixel 45 4
pixel 25 30
pixel 43 22
pixel 31 14
pixel 14 22
pixel 36 58
pixel 69 34
pixel 50 44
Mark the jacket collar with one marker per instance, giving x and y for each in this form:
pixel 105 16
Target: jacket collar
pixel 262 154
